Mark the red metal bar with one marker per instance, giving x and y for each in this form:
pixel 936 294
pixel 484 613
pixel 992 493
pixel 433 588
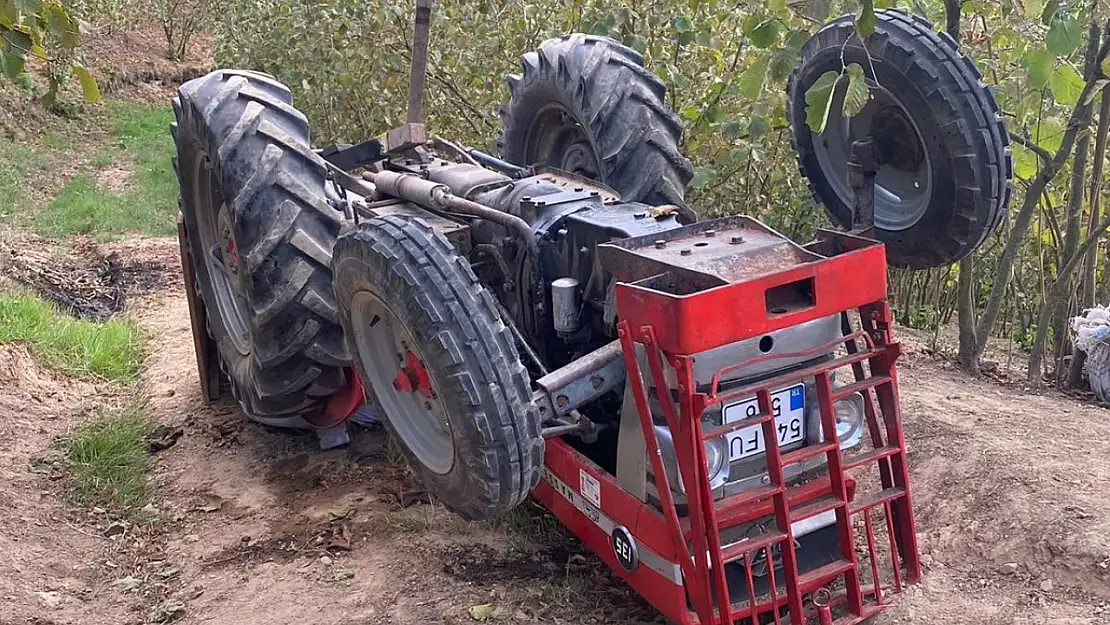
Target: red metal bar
pixel 660 330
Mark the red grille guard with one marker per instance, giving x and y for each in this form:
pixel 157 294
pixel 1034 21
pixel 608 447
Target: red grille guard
pixel 672 310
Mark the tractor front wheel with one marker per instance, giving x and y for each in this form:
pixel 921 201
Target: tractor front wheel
pixel 441 367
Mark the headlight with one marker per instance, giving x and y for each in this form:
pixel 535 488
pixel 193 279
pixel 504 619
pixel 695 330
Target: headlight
pixel 716 458
pixel 849 420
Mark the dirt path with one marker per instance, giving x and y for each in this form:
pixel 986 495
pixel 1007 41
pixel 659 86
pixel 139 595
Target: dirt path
pixel 257 526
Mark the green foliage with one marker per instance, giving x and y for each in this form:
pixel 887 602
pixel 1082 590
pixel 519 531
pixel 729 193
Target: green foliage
pixel 111 350
pixel 107 460
pixel 43 30
pixel 725 65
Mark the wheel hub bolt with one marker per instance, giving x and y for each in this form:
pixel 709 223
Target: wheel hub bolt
pixel 660 244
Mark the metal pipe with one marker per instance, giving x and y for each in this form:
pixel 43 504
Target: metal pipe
pixel 418 70
pixel 438 196
pixel 493 162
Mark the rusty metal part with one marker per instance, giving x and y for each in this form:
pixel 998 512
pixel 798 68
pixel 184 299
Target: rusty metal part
pixel 439 196
pixel 712 258
pixel 862 169
pixel 581 381
pixel 444 147
pixel 822 600
pixel 418 70
pixel 208 360
pixel 520 339
pixel 579 183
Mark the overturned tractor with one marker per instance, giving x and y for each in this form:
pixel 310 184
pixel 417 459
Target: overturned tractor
pixel 709 406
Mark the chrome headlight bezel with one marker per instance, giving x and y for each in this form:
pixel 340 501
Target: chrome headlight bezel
pixel 716 453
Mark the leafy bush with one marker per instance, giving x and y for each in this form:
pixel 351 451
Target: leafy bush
pixel 725 64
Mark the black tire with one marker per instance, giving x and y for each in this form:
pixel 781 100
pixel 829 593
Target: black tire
pixel 604 95
pixel 959 133
pixel 427 292
pixel 273 317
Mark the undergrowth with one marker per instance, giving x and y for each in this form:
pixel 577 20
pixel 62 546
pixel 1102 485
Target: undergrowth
pixel 112 349
pixel 107 459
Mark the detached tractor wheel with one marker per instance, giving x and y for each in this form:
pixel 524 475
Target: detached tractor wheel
pixel 586 105
pixel 944 180
pixel 443 368
pixel 261 234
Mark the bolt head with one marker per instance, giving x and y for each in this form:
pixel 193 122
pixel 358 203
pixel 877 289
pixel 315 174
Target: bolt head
pixel 737 239
pixel 710 233
pixel 686 252
pixel 660 244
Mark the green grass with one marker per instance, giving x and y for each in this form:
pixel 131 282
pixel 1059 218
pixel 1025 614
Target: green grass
pixel 107 460
pixel 111 350
pixel 140 141
pixel 18 164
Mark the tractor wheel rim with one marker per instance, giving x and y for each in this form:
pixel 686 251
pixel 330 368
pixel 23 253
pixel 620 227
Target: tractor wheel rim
pixel 222 256
pixel 555 137
pixel 395 369
pixel 904 183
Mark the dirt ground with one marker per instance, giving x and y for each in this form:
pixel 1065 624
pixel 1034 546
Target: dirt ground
pixel 258 526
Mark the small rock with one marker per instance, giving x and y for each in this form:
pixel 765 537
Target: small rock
pixel 51 599
pixel 342 574
pixel 326 561
pixel 1046 585
pixel 1008 569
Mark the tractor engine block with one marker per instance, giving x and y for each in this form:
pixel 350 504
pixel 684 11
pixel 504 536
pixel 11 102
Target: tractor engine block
pixel 570 216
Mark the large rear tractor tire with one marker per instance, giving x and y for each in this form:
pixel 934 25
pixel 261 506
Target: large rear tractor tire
pixel 945 183
pixel 442 367
pixel 585 104
pixel 261 236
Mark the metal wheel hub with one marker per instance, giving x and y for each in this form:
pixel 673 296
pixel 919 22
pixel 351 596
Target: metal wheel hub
pixel 557 138
pixel 394 367
pixel 412 378
pixel 903 184
pixel 217 238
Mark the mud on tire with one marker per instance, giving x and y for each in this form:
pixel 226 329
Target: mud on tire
pixel 960 132
pixel 401 284
pixel 586 103
pixel 251 185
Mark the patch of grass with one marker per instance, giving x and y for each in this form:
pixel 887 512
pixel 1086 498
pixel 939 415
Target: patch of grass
pixel 112 349
pixel 108 458
pixel 18 164
pixel 55 141
pixel 149 203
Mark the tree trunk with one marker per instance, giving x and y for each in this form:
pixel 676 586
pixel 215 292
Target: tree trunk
pixel 1087 289
pixel 969 343
pixel 1029 204
pixel 1056 297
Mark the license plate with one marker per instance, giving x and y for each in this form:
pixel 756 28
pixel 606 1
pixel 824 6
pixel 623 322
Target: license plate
pixel 789 407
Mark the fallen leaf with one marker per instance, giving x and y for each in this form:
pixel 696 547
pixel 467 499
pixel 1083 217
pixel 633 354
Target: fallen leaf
pixel 336 517
pixel 168 611
pixel 337 543
pixel 41 466
pixel 126 584
pixel 659 212
pixel 212 503
pixel 414 497
pixel 342 574
pixel 482 612
pixel 163 437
